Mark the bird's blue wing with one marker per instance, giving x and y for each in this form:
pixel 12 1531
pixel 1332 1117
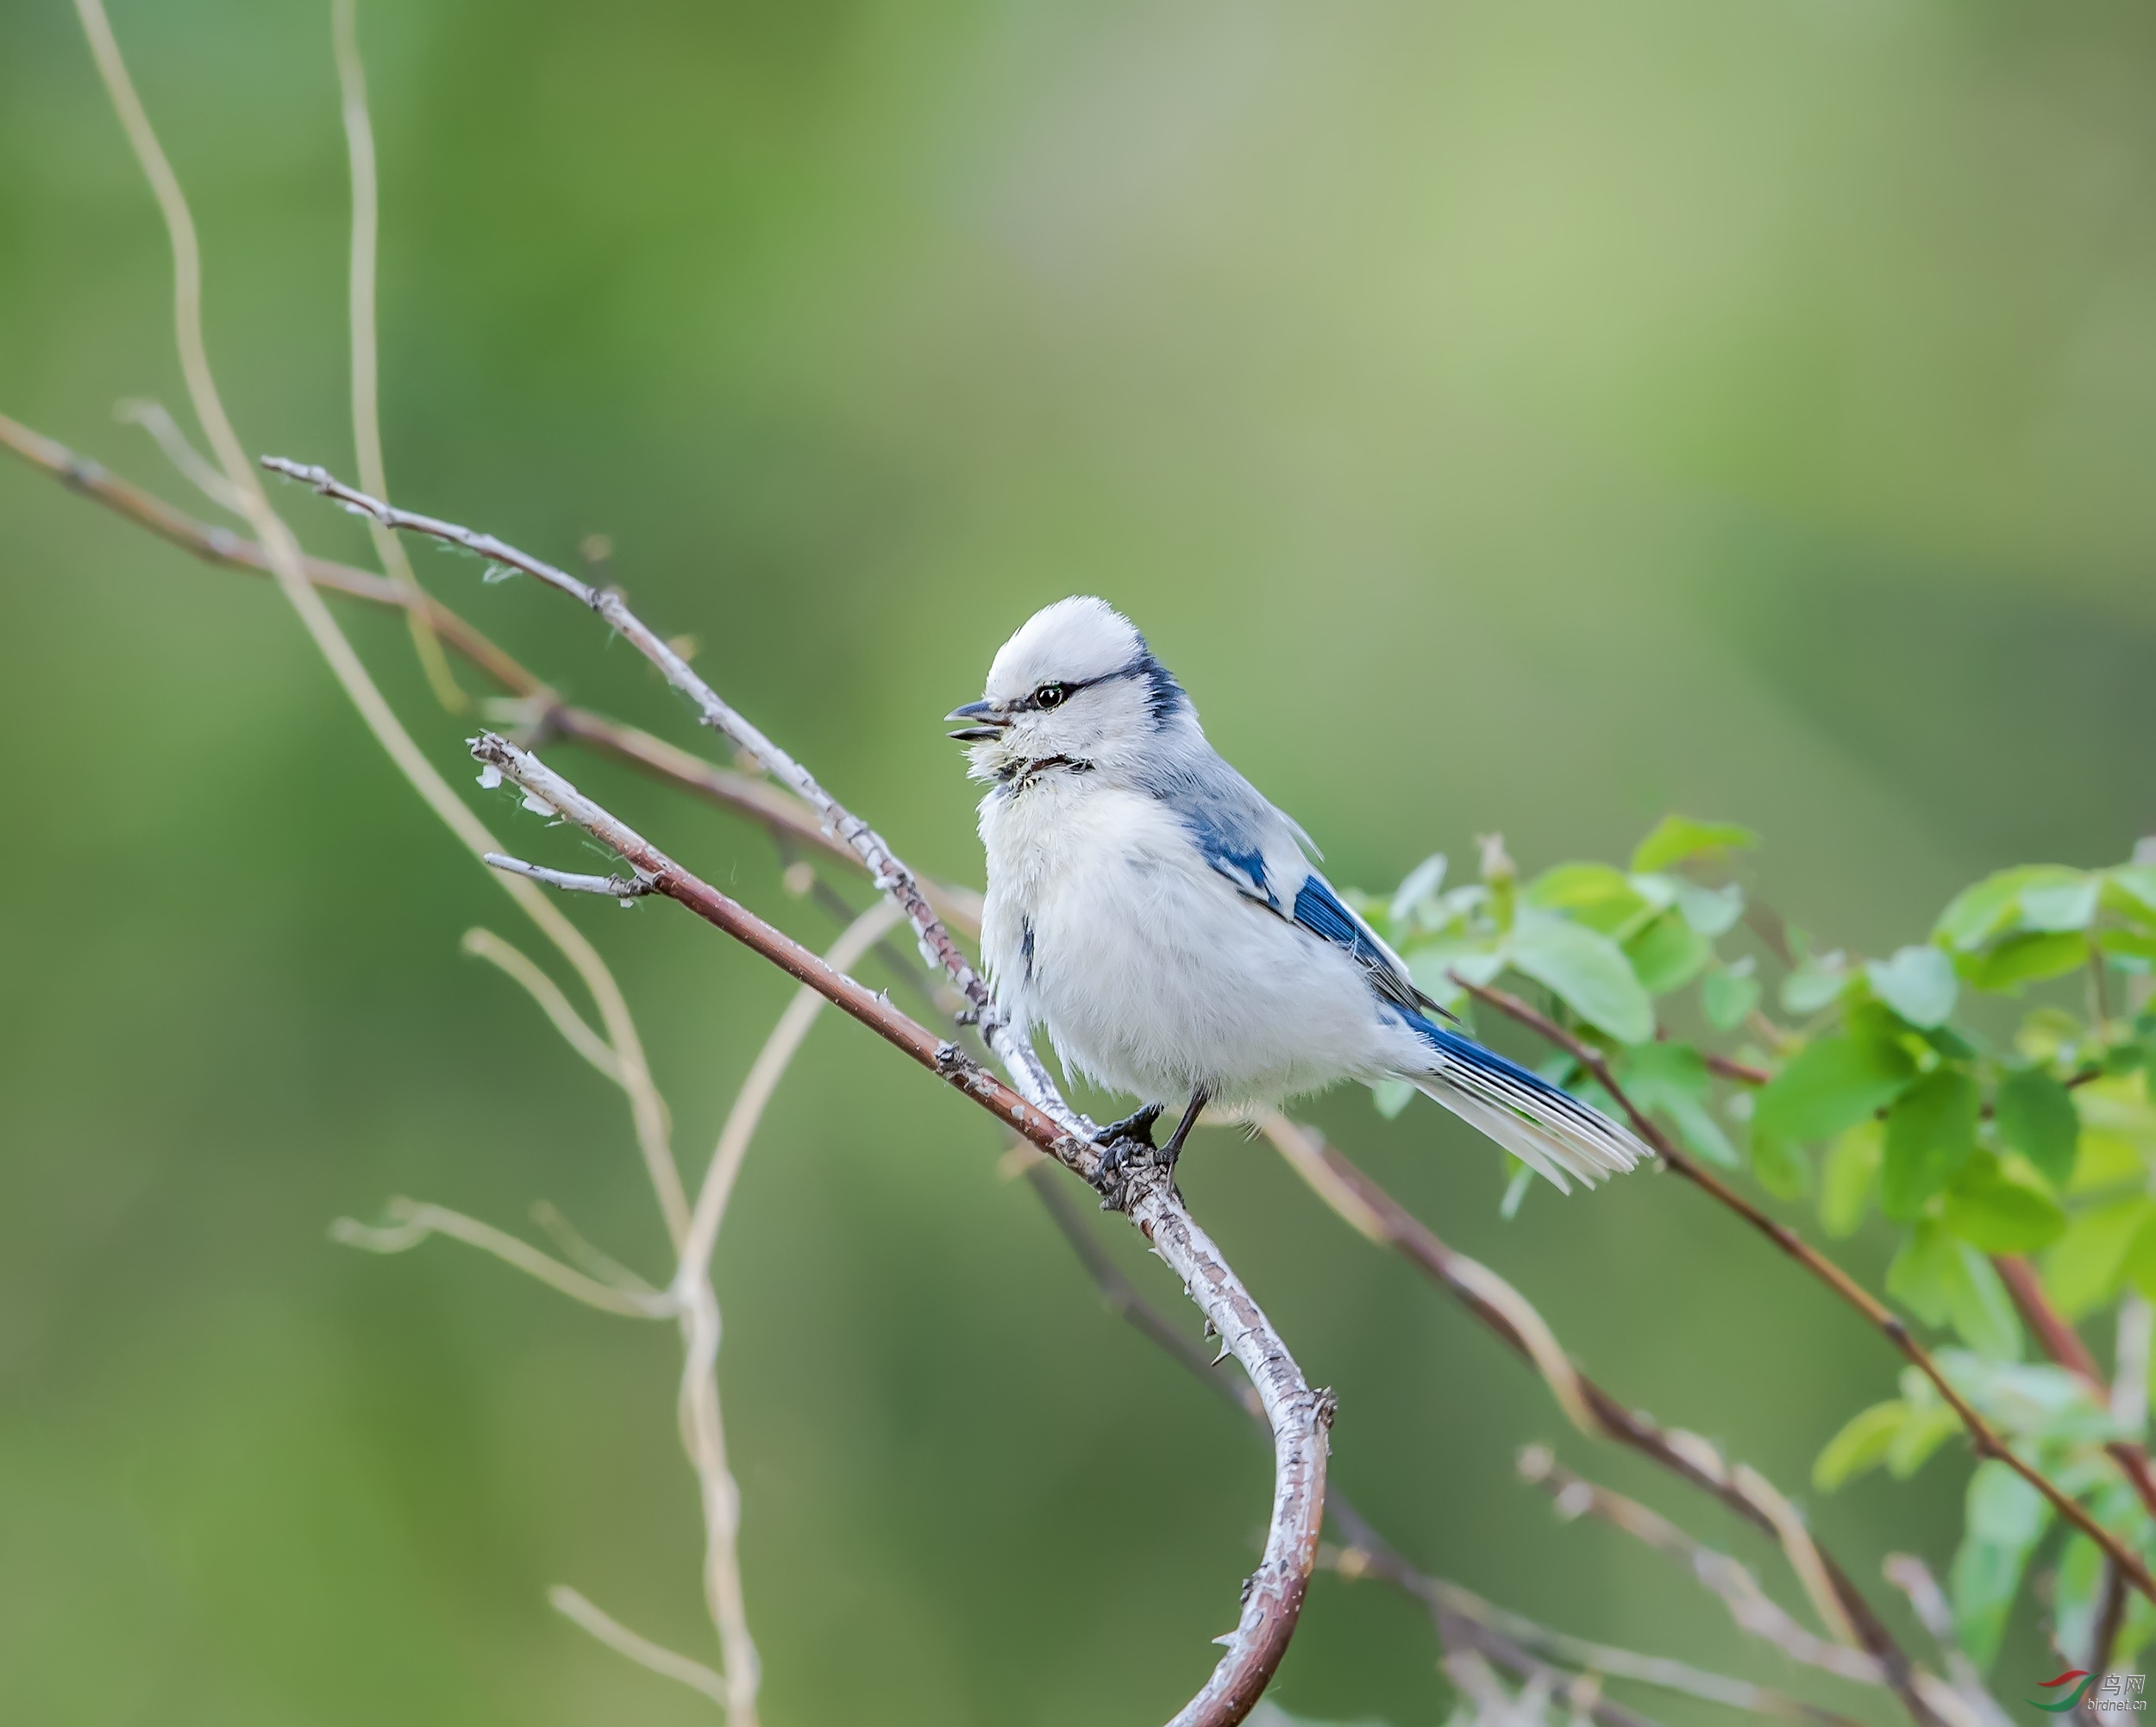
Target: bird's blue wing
pixel 1320 910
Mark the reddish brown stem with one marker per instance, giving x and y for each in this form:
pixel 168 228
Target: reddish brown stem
pixel 2064 1345
pixel 1416 1242
pixel 1982 1439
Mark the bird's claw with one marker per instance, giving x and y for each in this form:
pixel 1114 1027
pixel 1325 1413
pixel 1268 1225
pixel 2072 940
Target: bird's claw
pixel 1135 1129
pixel 1120 1143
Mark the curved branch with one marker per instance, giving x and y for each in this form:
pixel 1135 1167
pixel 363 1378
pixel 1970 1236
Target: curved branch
pixel 1298 1416
pixel 1982 1439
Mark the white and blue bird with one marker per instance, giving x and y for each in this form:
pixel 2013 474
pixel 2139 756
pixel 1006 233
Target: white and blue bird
pixel 1165 924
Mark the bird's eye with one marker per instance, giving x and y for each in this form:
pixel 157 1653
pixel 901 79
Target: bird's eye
pixel 1050 696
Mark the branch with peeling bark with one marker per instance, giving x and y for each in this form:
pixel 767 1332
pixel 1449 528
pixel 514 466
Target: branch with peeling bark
pixel 1299 1419
pixel 1511 1640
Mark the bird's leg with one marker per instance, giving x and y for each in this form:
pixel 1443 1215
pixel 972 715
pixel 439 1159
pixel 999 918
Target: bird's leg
pixel 1117 1140
pixel 1168 1153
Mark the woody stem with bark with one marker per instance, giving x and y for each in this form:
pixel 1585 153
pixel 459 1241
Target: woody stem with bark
pixel 1299 1419
pixel 1983 1440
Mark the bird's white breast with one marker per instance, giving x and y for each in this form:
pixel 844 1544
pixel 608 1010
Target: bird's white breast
pixel 1104 924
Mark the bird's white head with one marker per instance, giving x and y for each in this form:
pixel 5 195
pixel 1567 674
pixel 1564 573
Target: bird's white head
pixel 1075 688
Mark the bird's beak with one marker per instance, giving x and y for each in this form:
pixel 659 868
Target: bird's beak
pixel 988 722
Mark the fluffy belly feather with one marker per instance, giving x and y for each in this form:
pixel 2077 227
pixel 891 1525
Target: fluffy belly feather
pixel 1150 973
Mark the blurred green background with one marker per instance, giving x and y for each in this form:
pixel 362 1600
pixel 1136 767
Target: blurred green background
pixel 1524 417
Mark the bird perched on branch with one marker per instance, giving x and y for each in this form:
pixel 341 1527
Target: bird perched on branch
pixel 1165 924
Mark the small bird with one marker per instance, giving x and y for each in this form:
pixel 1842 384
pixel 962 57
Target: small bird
pixel 1164 923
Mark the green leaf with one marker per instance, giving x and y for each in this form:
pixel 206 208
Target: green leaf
pixel 1862 1444
pixel 2036 1117
pixel 1676 838
pixel 1782 1166
pixel 1671 1079
pixel 2055 905
pixel 1853 1165
pixel 2005 1519
pixel 2077 1591
pixel 1590 893
pixel 1930 1132
pixel 1589 972
pixel 1924 1431
pixel 1994 905
pixel 1711 911
pixel 1668 954
pixel 1917 983
pixel 2024 959
pixel 1422 883
pixel 1729 993
pixel 1987 1208
pixel 1945 1281
pixel 2131 888
pixel 1831 1084
pixel 2083 1268
pixel 1391 1097
pixel 1814 983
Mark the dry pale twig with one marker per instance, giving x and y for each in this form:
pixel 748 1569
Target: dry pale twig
pixel 281 553
pixel 885 870
pixel 1298 1416
pixel 778 812
pixel 1749 1604
pixel 1914 1579
pixel 1982 1439
pixel 411 1221
pixel 1368 1208
pixel 1365 1553
pixel 641 1650
pixel 703 1429
pixel 366 417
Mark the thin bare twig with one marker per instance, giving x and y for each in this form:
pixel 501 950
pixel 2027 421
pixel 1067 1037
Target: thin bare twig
pixel 641 1650
pixel 366 417
pixel 1364 1552
pixel 411 1221
pixel 1366 1207
pixel 1299 1417
pixel 1914 1579
pixel 1749 1604
pixel 778 812
pixel 885 869
pixel 512 961
pixel 2064 1345
pixel 1983 1440
pixel 281 553
pixel 703 1428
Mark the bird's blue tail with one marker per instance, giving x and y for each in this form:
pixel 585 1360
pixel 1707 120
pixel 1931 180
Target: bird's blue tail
pixel 1543 1125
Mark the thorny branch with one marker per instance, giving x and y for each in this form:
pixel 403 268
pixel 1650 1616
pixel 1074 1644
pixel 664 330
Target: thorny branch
pixel 1491 1631
pixel 1299 1419
pixel 1985 1442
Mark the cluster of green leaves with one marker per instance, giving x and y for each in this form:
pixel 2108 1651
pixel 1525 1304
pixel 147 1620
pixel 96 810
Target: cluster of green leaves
pixel 1984 1092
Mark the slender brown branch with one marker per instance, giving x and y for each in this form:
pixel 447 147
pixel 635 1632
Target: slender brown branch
pixel 1299 1417
pixel 1749 1604
pixel 1365 1553
pixel 1982 1439
pixel 2064 1345
pixel 783 814
pixel 890 875
pixel 1372 1210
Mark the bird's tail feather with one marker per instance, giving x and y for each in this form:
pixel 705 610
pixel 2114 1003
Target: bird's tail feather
pixel 1546 1128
